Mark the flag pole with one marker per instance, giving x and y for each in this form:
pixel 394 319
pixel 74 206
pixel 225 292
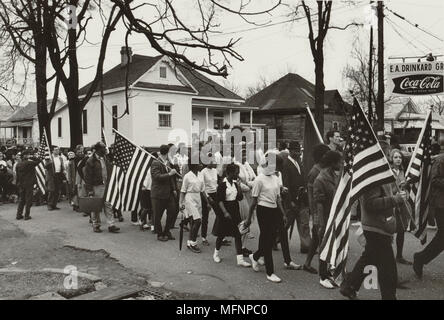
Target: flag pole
pixel 421 135
pixel 151 155
pixel 380 148
pixel 314 123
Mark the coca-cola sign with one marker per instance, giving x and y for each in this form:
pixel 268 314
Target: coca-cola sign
pixel 418 84
pixel 419 78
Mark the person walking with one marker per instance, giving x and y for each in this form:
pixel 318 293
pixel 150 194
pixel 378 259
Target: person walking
pixel 267 202
pixel 293 180
pixel 26 180
pixel 379 224
pixel 324 189
pixel 396 160
pixel 190 203
pixel 436 246
pixel 227 214
pixel 97 173
pixel 209 178
pixel 163 186
pixel 318 153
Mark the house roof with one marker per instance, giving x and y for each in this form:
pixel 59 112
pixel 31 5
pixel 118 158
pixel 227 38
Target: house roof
pixel 207 87
pixel 6 111
pixel 400 106
pixel 115 78
pixel 26 113
pixel 289 93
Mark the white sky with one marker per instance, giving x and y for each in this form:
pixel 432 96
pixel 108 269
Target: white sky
pixel 272 51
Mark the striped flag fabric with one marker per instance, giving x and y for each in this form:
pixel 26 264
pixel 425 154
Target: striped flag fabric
pixel 43 154
pixel 365 167
pixel 130 167
pixel 418 177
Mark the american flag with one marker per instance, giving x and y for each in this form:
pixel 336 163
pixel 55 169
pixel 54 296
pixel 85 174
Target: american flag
pixel 365 167
pixel 43 154
pixel 418 177
pixel 130 167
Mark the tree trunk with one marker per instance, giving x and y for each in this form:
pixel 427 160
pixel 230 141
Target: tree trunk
pixel 319 88
pixel 75 117
pixel 41 90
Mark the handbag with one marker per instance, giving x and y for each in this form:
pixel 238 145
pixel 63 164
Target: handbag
pixel 90 204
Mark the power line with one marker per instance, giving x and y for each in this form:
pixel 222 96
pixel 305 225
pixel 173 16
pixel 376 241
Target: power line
pixel 412 38
pixel 390 22
pixel 414 24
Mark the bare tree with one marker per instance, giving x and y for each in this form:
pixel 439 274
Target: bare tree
pixel 316 37
pixel 63 44
pixel 23 45
pixel 172 35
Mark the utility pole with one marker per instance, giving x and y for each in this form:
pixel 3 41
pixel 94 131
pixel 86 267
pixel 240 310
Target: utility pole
pixel 370 78
pixel 380 98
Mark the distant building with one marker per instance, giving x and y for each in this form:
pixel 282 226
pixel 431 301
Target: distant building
pixel 405 119
pixel 282 106
pixel 167 104
pixel 22 127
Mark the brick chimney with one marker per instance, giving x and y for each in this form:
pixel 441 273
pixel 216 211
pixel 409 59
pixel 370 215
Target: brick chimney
pixel 124 56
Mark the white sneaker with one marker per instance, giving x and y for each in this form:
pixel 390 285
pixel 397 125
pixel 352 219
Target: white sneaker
pixel 292 266
pixel 326 284
pixel 261 261
pixel 254 263
pixel 216 257
pixel 241 262
pixel 274 278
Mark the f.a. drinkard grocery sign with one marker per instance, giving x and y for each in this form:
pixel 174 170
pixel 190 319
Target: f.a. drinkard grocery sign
pixel 415 79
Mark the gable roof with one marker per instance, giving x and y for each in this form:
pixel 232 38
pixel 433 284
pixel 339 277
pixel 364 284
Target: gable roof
pixel 27 112
pixel 398 106
pixel 115 78
pixel 207 87
pixel 289 93
pixel 6 111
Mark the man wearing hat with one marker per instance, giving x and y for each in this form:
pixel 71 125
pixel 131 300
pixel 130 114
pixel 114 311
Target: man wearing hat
pixel 293 180
pixel 25 181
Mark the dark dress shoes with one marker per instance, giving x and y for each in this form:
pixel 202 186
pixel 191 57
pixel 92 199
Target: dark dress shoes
pixel 113 229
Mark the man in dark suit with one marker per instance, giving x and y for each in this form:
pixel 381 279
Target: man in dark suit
pixel 293 180
pixel 25 181
pixel 162 194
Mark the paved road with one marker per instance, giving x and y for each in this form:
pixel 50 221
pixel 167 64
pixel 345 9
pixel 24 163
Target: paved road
pixel 187 272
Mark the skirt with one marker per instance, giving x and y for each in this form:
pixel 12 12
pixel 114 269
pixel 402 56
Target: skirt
pixel 224 227
pixel 193 205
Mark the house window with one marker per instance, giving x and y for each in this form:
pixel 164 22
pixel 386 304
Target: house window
pixel 218 119
pixel 114 113
pixel 163 72
pixel 85 122
pixel 59 127
pixel 164 116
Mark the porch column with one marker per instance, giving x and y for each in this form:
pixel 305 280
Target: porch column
pixel 231 118
pixel 251 118
pixel 206 117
